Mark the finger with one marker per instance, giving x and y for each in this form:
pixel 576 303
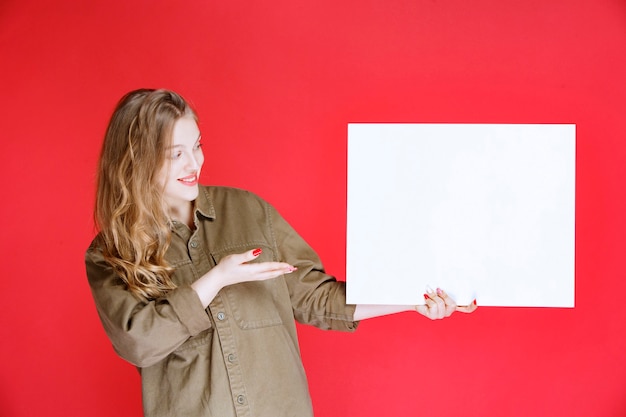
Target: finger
pixel 242 258
pixel 265 275
pixel 428 309
pixel 252 254
pixel 266 270
pixel 468 308
pixel 450 304
pixel 431 306
pixel 423 310
pixel 440 311
pixel 445 297
pixel 263 267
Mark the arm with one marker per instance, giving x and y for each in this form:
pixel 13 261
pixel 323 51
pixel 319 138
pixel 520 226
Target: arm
pixel 317 298
pixel 234 269
pixel 368 311
pixel 437 306
pixel 143 331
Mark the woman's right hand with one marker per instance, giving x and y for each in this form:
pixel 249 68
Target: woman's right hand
pixel 234 269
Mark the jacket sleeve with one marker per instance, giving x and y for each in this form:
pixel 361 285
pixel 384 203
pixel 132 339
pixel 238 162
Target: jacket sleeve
pixel 317 298
pixel 142 331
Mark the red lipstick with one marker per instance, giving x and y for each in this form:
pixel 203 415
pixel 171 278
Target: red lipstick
pixel 189 180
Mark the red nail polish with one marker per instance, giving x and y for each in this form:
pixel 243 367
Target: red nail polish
pixel 257 252
pixel 426 296
pixel 474 301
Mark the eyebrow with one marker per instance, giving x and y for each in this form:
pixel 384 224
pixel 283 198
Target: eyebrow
pixel 180 146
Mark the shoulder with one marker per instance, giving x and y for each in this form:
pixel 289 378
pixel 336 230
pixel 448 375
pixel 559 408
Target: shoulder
pixel 219 195
pixel 229 204
pixel 94 253
pixel 96 244
pixel 218 190
pixel 95 262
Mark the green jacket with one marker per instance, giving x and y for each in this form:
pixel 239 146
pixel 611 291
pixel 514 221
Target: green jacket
pixel 240 356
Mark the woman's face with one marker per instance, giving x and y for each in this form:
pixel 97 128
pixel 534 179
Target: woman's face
pixel 184 158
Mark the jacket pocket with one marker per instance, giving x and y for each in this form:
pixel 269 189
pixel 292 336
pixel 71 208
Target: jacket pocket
pixel 255 304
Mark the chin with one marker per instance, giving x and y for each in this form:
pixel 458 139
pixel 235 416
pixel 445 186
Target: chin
pixel 193 194
pixel 185 196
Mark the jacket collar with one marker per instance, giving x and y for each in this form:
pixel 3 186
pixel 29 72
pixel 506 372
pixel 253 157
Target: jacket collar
pixel 204 205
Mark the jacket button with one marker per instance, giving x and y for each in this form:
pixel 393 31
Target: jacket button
pixel 221 316
pixel 194 244
pixel 241 399
pixel 231 357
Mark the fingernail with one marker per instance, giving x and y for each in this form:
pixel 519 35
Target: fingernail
pixel 257 252
pixel 439 292
pixel 292 268
pixel 426 296
pixel 474 301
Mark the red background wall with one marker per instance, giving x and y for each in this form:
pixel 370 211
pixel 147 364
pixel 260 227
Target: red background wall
pixel 275 83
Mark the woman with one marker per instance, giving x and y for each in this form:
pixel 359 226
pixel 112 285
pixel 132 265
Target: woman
pixel 199 286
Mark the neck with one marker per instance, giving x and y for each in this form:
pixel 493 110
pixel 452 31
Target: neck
pixel 183 214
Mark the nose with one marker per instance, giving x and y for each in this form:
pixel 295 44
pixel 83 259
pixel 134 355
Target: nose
pixel 193 162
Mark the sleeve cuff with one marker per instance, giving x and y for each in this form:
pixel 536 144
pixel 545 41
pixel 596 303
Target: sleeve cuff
pixel 187 306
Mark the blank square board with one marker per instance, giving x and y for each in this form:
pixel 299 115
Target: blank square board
pixel 484 211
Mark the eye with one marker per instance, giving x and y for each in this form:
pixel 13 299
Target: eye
pixel 176 154
pixel 198 146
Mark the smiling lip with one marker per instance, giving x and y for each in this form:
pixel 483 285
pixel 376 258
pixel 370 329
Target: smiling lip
pixel 189 180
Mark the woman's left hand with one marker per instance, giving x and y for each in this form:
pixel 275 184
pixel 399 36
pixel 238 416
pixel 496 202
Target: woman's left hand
pixel 440 305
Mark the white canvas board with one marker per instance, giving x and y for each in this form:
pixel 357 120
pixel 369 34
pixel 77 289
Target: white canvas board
pixel 483 211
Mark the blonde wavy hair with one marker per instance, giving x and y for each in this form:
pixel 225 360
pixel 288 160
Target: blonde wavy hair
pixel 129 211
